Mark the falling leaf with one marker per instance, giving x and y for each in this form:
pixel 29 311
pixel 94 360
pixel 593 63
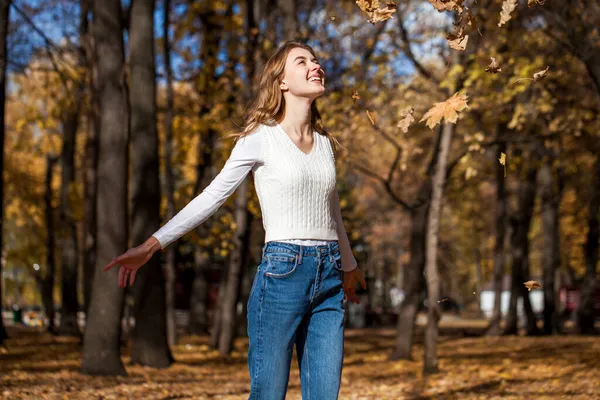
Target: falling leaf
pixel 532 285
pixel 538 2
pixel 446 109
pixel 373 10
pixel 457 41
pixel 355 96
pixel 541 74
pixel 502 160
pixel 508 6
pixel 447 5
pixel 406 118
pixel 493 67
pixel 442 300
pixel 370 117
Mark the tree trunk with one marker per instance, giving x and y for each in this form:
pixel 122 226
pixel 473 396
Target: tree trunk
pixel 69 251
pixel 91 171
pixel 149 336
pixel 46 283
pixel 413 278
pixel 521 222
pixel 4 21
pixel 101 352
pixel 170 274
pixel 499 256
pixel 290 24
pixel 586 310
pixel 550 195
pixel 430 364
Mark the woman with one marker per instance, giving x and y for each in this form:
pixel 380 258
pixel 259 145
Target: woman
pixel 297 294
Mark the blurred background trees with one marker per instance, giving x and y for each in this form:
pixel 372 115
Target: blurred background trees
pixel 113 117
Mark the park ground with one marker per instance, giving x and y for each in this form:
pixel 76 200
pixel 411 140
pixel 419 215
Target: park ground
pixel 36 365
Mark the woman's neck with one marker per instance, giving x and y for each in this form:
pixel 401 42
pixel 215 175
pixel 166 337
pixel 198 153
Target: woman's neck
pixel 297 118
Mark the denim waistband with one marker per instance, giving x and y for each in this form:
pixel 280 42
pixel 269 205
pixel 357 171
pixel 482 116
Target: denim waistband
pixel 283 247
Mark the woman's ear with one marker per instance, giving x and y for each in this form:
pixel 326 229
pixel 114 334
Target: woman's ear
pixel 283 85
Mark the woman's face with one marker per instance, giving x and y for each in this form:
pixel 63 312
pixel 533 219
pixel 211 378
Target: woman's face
pixel 303 76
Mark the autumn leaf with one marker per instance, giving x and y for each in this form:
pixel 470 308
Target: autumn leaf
pixel 382 14
pixel 448 109
pixel 532 285
pixel 447 5
pixel 541 74
pixel 508 7
pixel 370 117
pixel 355 96
pixel 493 68
pixel 538 2
pixel 502 160
pixel 373 10
pixel 332 17
pixel 458 40
pixel 536 77
pixel 406 118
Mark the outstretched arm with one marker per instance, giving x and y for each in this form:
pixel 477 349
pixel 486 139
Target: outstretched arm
pixel 245 154
pixel 348 261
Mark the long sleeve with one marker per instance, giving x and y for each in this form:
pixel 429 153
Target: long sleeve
pixel 244 155
pixel 348 261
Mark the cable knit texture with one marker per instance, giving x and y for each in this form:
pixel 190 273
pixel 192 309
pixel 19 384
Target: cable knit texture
pixel 295 189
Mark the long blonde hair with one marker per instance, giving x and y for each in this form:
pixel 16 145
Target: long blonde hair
pixel 268 105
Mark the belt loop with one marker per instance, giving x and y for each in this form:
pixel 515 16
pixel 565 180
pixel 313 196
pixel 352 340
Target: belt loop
pixel 330 251
pixel 300 251
pixel 263 251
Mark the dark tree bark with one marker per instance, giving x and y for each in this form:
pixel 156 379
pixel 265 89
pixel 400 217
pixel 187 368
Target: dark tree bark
pixel 413 277
pixel 550 195
pixel 430 364
pixel 149 336
pixel 170 272
pixel 46 283
pixel 101 355
pixel 586 310
pixel 208 149
pixel 69 253
pixel 499 256
pixel 4 20
pixel 90 169
pixel 521 223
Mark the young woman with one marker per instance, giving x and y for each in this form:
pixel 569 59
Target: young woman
pixel 307 267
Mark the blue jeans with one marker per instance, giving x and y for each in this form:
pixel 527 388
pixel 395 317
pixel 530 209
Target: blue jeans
pixel 296 298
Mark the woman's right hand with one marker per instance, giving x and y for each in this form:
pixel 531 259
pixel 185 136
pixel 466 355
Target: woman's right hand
pixel 132 260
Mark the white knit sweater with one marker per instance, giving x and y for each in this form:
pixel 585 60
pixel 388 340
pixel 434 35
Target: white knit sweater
pixel 296 191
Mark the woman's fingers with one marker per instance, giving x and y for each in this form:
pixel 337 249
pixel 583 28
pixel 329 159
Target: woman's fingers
pixel 132 277
pixel 121 275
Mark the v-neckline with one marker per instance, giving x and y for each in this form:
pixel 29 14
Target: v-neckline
pixel 312 150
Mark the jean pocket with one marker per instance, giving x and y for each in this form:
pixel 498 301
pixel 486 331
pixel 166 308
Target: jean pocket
pixel 281 265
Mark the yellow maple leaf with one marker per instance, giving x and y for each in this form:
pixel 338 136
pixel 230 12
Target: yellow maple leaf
pixel 507 7
pixel 373 10
pixel 448 109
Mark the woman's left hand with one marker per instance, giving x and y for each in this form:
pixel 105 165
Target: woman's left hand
pixel 351 278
